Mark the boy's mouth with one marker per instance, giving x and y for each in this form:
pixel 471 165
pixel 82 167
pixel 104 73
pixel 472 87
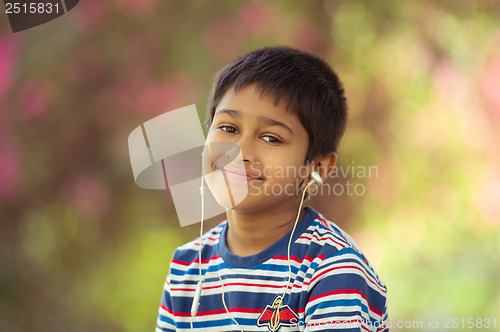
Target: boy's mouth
pixel 240 174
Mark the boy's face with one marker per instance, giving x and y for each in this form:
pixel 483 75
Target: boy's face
pixel 273 146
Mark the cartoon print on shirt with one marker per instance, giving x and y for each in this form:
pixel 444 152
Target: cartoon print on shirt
pixel 274 316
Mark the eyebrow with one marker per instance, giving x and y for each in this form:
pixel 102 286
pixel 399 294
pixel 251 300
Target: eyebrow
pixel 264 119
pixel 233 113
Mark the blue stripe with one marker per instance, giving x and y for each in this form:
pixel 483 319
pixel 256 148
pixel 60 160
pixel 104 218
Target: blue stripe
pixel 163 329
pixel 166 319
pixel 339 303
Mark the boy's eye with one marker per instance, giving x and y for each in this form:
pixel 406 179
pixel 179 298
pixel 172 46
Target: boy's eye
pixel 232 130
pixel 228 129
pixel 271 139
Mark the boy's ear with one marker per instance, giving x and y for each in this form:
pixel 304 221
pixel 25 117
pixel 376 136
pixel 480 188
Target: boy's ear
pixel 325 165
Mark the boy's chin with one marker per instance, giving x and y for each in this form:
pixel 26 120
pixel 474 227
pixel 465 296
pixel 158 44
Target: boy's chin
pixel 227 192
pixel 257 204
pixel 248 203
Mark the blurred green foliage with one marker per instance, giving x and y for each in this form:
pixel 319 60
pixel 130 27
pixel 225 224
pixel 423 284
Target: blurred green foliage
pixel 84 249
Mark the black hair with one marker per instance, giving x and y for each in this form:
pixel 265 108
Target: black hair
pixel 310 87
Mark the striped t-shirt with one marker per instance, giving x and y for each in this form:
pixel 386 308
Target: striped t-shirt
pixel 332 285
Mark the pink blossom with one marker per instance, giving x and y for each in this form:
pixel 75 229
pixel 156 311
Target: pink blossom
pixel 159 97
pixel 134 7
pixel 487 202
pixel 90 14
pixel 7 62
pixel 87 66
pixel 256 18
pixel 142 54
pixel 451 84
pixel 9 170
pixel 88 196
pixel 304 35
pixel 34 100
pixel 224 39
pixel 491 87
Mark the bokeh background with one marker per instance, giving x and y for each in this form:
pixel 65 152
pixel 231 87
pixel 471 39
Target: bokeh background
pixel 82 248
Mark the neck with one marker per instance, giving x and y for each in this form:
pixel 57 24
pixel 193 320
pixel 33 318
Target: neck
pixel 252 232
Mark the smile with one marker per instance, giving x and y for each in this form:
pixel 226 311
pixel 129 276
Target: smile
pixel 238 175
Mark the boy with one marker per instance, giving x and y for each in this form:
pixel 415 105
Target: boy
pixel 286 110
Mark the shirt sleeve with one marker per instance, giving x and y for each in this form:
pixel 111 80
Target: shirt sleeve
pixel 165 315
pixel 345 294
pixel 385 324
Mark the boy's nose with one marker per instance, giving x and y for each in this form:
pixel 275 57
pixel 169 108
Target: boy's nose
pixel 247 148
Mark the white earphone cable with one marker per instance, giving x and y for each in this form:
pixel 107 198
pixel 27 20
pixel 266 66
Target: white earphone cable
pixel 197 294
pixel 199 286
pixel 290 242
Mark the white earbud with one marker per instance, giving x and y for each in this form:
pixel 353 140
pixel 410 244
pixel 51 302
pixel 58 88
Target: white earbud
pixel 315 178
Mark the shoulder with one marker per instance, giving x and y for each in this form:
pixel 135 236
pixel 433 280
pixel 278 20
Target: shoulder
pixel 343 279
pixel 338 252
pixel 326 232
pixel 325 236
pixel 209 238
pixel 188 252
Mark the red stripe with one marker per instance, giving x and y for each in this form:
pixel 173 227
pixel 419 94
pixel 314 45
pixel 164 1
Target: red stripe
pixel 219 312
pixel 166 309
pixel 329 226
pixel 210 238
pixel 196 260
pixel 323 238
pixel 347 267
pixel 252 285
pixel 324 223
pixel 229 284
pixel 223 311
pixel 298 260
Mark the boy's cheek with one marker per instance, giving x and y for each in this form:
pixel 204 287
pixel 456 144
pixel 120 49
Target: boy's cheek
pixel 210 136
pixel 225 173
pixel 212 132
pixel 227 192
pixel 284 174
